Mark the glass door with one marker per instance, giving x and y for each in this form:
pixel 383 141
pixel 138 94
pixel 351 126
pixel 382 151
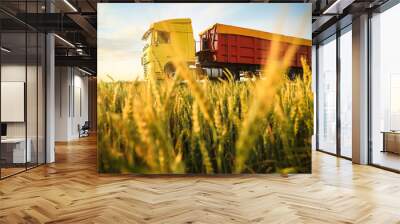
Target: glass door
pixel 346 92
pixel 327 96
pixel 385 89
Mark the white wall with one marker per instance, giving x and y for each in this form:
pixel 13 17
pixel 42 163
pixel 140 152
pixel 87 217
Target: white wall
pixel 12 73
pixel 80 109
pixel 71 102
pixel 62 82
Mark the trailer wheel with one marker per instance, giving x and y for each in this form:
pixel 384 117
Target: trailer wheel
pixel 169 70
pixel 294 72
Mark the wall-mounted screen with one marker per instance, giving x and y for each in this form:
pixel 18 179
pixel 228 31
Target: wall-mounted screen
pixel 12 101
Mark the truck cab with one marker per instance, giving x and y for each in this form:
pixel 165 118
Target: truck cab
pixel 168 43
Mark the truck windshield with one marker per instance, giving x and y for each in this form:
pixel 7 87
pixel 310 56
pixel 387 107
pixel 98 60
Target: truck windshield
pixel 162 37
pixel 147 38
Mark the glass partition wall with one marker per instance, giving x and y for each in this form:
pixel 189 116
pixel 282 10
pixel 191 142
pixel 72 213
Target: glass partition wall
pixel 385 89
pixel 22 77
pixel 13 86
pixel 334 93
pixel 327 95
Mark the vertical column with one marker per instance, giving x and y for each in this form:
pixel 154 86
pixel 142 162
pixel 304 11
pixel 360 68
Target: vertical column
pixel 360 90
pixel 62 103
pixel 314 89
pixel 50 92
pixel 338 91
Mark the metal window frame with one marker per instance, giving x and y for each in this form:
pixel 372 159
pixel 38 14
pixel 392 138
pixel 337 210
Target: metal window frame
pixel 0 90
pixel 44 75
pixel 387 5
pixel 381 9
pixel 339 32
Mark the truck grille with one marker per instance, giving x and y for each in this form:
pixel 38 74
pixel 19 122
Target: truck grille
pixel 145 69
pixel 145 64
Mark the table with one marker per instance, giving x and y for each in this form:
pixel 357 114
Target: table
pixel 15 148
pixel 391 141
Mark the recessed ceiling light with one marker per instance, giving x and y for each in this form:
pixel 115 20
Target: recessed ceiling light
pixel 70 5
pixel 84 71
pixel 338 6
pixel 64 40
pixel 331 7
pixel 5 50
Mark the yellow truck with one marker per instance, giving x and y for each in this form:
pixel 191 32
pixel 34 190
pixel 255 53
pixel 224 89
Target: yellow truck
pixel 168 42
pixel 224 50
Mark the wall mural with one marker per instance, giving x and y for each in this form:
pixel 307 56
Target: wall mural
pixel 204 88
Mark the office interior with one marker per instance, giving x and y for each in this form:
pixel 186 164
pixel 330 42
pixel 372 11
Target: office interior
pixel 375 89
pixel 45 88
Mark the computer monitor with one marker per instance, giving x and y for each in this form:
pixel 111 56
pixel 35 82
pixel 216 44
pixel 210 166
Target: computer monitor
pixel 3 129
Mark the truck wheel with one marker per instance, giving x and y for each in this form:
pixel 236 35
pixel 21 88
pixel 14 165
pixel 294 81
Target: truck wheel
pixel 169 70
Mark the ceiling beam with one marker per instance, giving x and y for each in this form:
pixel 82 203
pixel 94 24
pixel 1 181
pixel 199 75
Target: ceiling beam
pixel 79 61
pixel 338 6
pixel 49 22
pixel 86 26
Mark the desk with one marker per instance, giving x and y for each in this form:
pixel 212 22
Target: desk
pixel 391 141
pixel 16 147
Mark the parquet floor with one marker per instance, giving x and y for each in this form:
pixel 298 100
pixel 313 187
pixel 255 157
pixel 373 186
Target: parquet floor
pixel 71 191
pixel 10 171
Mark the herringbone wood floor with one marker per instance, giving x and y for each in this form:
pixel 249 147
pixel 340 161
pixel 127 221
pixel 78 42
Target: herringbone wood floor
pixel 71 191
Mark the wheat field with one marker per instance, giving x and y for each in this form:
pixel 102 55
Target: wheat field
pixel 181 126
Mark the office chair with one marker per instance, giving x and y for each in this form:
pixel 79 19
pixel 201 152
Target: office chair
pixel 84 130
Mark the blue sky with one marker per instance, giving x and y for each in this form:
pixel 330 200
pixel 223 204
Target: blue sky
pixel 121 25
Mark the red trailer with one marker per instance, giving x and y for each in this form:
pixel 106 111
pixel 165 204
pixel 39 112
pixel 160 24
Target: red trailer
pixel 241 49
